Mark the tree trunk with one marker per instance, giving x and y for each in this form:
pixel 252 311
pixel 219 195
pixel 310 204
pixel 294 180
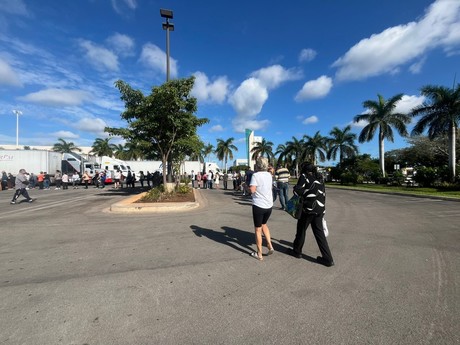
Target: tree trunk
pixel 164 161
pixel 452 152
pixel 382 153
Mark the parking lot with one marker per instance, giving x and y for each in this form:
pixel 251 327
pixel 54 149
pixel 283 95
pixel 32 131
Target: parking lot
pixel 72 272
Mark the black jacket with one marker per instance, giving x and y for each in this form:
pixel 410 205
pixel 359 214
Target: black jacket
pixel 313 194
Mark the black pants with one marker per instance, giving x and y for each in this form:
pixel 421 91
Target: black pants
pixel 316 223
pixel 20 191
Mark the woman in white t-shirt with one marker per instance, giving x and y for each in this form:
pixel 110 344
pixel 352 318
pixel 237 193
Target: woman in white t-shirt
pixel 262 203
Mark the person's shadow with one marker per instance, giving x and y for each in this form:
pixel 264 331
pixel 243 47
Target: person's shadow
pixel 241 240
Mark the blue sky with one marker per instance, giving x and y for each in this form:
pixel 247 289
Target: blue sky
pixel 282 71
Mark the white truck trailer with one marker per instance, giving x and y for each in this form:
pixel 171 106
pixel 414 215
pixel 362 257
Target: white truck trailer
pixel 36 161
pixel 33 161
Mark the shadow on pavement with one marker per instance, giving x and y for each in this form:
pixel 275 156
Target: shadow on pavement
pixel 235 238
pixel 241 240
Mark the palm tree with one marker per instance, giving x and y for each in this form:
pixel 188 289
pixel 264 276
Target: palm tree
pixel 65 147
pixel 224 150
pixel 441 116
pixel 119 151
pixel 315 146
pixel 294 149
pixel 262 148
pixel 282 153
pixel 341 141
pixel 205 152
pixel 133 151
pixel 382 117
pixel 103 147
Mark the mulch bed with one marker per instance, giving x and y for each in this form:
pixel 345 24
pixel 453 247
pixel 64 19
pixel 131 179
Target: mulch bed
pixel 177 197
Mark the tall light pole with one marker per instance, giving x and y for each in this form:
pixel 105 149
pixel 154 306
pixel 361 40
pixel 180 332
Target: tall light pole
pixel 168 14
pixel 17 113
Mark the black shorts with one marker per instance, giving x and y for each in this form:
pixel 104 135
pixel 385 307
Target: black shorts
pixel 260 215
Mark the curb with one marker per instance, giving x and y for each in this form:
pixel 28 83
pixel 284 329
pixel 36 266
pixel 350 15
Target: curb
pixel 130 206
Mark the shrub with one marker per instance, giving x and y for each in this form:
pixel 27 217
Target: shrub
pixel 426 176
pixel 182 189
pixel 349 177
pixel 154 194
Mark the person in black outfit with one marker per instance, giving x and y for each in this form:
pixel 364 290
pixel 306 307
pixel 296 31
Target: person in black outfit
pixel 310 187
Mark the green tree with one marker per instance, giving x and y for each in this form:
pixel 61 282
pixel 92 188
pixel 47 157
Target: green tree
pixel 65 147
pixel 381 116
pixel 206 150
pixel 225 149
pixel 343 142
pixel 133 150
pixel 103 147
pixel 315 146
pixel 119 151
pixel 263 148
pixel 160 119
pixel 294 149
pixel 441 115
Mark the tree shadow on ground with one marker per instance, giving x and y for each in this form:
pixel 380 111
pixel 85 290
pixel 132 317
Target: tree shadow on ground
pixel 110 191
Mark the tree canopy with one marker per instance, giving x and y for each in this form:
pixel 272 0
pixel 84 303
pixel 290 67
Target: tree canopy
pixel 159 120
pixel 64 146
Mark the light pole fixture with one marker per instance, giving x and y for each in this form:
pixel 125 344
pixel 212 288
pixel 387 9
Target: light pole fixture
pixel 167 14
pixel 17 113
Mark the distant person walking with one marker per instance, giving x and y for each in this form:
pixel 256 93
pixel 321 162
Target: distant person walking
pixel 75 180
pixel 310 187
pixel 40 178
pixel 65 181
pixel 117 178
pixel 58 179
pixel 86 178
pixel 260 187
pixel 20 184
pixel 4 180
pixel 282 178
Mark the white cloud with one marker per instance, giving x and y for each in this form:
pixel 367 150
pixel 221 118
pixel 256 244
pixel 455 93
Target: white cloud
pixel 14 7
pixel 307 55
pixel 247 101
pixel 387 51
pixel 407 103
pixel 205 91
pixel 65 135
pixel 314 89
pixel 120 5
pixel 99 57
pixel 155 58
pixel 7 75
pixel 216 128
pixel 358 125
pixel 273 76
pixel 93 125
pixel 122 44
pixel 310 120
pixel 416 67
pixel 57 97
pixel 249 97
pixel 240 124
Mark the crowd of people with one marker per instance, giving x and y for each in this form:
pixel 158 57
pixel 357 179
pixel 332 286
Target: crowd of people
pixel 264 185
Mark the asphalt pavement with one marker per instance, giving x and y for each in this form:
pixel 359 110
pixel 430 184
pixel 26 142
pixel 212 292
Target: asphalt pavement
pixel 72 272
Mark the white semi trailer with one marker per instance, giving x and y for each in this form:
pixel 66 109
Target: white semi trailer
pixel 33 161
pixel 36 161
